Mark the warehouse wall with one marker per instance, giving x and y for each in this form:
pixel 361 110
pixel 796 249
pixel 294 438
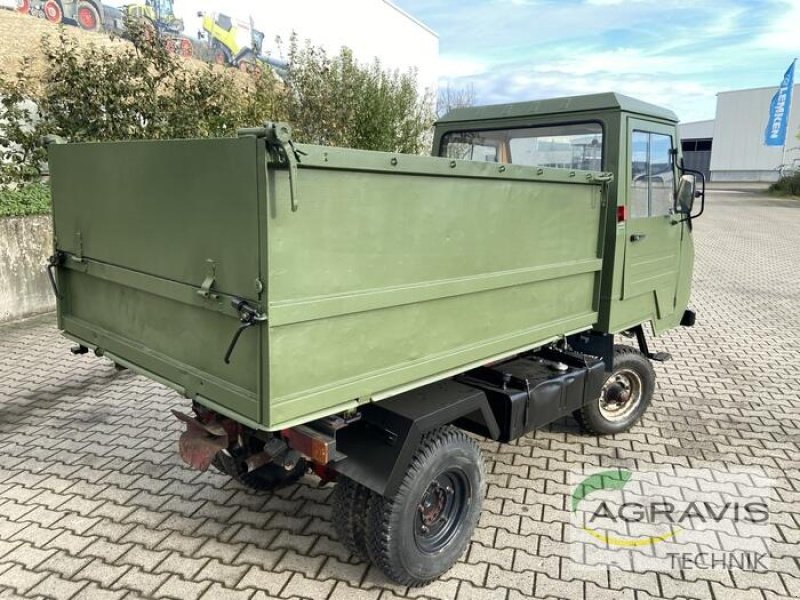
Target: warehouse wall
pixel 738 152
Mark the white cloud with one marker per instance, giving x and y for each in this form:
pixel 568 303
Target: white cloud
pixel 784 31
pixel 461 66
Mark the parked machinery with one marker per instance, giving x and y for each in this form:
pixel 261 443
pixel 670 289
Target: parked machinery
pixel 86 14
pixel 93 15
pixel 233 42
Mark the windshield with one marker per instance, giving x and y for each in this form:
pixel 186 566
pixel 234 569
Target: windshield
pixel 569 146
pixel 164 7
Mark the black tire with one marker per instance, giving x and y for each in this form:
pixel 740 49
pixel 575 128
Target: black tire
pixel 264 479
pixel 627 392
pixel 418 534
pixel 349 505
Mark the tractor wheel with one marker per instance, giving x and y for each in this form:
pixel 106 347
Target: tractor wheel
pixel 24 6
pixel 88 16
pixel 52 11
pixel 349 505
pixel 420 532
pixel 185 48
pixel 221 55
pixel 264 479
pixel 625 396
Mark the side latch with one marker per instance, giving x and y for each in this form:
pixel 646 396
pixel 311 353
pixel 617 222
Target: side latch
pixel 54 261
pixel 248 316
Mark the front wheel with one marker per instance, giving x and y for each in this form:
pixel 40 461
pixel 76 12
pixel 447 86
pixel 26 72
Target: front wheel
pixel 625 396
pixel 419 533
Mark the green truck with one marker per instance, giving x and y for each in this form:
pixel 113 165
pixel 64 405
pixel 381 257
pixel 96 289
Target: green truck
pixel 367 315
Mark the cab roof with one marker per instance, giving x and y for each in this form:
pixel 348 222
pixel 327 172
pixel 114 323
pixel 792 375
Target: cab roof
pixel 570 104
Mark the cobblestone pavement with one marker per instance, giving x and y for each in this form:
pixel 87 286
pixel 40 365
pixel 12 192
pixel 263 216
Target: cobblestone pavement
pixel 95 502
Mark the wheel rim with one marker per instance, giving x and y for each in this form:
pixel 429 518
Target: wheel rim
pixel 621 394
pixel 441 510
pixel 24 6
pixel 52 12
pixel 87 18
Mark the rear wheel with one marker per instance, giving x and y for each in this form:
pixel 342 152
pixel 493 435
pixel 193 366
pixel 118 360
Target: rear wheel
pixel 88 16
pixel 625 395
pixel 265 478
pixel 52 11
pixel 419 533
pixel 24 6
pixel 349 506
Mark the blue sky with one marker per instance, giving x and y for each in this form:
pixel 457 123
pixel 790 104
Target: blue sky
pixel 676 53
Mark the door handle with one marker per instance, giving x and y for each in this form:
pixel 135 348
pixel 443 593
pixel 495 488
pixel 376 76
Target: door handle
pixel 637 237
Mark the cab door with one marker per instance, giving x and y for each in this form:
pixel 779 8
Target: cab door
pixel 654 231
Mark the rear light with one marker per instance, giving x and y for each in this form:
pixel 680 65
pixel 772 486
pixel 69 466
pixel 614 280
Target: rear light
pixel 622 214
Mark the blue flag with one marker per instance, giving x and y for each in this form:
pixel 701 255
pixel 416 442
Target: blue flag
pixel 779 109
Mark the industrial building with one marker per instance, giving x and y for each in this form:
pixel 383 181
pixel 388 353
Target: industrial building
pixel 731 146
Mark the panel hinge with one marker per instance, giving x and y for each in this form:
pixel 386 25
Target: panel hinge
pixel 279 137
pixel 208 282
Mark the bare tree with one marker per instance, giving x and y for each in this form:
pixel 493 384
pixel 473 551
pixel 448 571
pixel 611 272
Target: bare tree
pixel 451 98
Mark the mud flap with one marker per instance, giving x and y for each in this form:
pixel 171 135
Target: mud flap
pixel 200 443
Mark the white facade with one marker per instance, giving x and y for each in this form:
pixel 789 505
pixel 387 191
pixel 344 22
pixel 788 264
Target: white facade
pixel 738 151
pixel 697 130
pixel 370 28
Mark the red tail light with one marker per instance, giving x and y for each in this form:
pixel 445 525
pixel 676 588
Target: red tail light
pixel 622 214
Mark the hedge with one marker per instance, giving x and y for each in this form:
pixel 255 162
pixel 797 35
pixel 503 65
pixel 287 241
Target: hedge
pixel 30 199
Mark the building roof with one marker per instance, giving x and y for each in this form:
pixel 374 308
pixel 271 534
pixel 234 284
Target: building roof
pixel 696 130
pixel 570 104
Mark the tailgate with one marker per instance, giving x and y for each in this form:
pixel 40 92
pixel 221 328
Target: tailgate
pixel 155 238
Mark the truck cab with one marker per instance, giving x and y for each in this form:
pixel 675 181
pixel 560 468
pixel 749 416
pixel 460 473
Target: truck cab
pixel 648 252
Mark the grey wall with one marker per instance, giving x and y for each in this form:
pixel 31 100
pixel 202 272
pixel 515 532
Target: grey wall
pixel 25 244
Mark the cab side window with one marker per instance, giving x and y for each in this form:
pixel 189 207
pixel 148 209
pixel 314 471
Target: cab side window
pixel 652 176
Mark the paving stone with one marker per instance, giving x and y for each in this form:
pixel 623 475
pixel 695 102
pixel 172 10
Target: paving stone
pixel 57 587
pixel 267 581
pixel 181 589
pixel 141 582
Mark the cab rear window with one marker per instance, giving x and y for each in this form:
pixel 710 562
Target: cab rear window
pixel 566 146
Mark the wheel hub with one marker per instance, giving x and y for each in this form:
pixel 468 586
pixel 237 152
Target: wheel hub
pixel 433 503
pixel 441 510
pixel 621 394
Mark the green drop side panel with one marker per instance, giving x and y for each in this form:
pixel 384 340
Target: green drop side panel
pixel 388 275
pixel 139 223
pixel 395 270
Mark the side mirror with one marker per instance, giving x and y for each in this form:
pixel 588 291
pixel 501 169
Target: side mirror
pixel 687 192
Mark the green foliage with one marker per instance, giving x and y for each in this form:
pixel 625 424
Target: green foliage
pixel 140 90
pixel 31 199
pixel 787 186
pixel 339 102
